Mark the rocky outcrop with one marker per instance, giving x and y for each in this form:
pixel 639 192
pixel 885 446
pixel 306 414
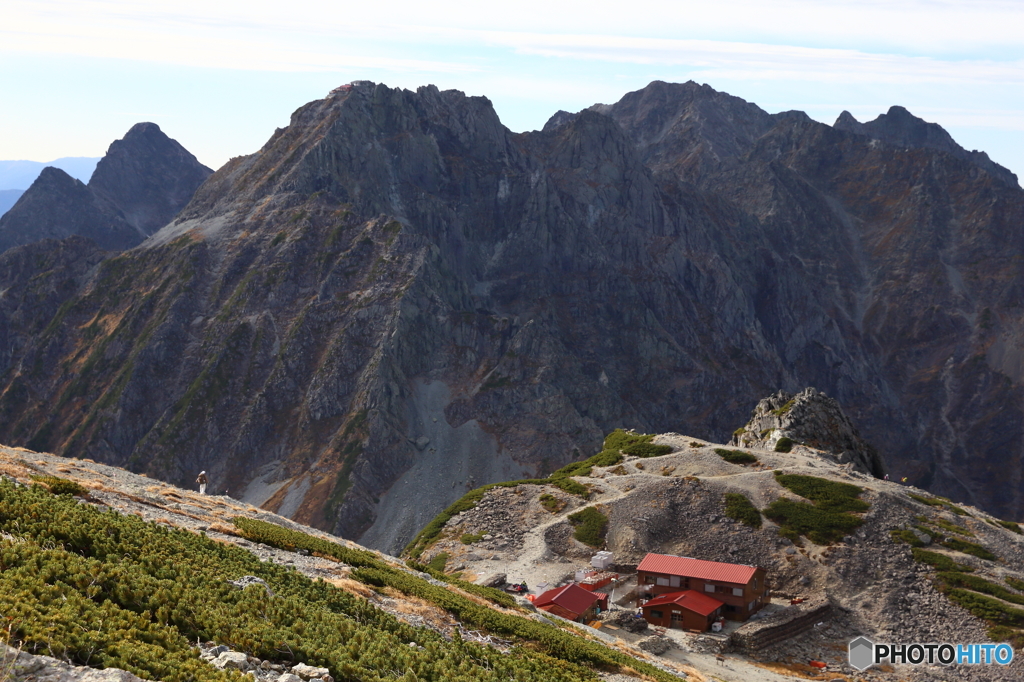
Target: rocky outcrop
pixel 20 666
pixel 141 183
pixel 808 418
pixel 901 128
pixel 397 299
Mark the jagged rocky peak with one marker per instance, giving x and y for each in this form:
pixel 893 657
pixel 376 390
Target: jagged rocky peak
pixel 687 128
pixel 138 187
pixel 809 418
pixel 56 206
pixel 901 128
pixel 148 176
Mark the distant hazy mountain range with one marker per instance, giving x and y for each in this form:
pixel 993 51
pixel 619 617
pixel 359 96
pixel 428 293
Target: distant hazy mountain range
pixel 21 174
pixel 8 197
pixel 17 176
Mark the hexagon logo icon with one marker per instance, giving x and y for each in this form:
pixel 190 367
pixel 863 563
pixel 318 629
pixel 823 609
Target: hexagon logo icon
pixel 862 653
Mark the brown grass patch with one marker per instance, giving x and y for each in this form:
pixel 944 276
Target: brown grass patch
pixel 65 470
pixel 353 586
pixel 225 529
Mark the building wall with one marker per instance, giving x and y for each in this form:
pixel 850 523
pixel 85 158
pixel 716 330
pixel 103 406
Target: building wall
pixel 755 591
pixel 688 620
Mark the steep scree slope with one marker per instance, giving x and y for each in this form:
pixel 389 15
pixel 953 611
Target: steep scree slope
pixel 396 299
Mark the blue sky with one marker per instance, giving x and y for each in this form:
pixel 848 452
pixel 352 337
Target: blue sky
pixel 220 75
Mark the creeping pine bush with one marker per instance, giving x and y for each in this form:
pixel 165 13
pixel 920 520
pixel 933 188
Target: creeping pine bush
pixel 784 444
pixel 736 456
pixel 109 590
pixel 827 519
pixel 591 526
pixel 939 561
pixel 738 507
pixel 61 486
pixel 969 548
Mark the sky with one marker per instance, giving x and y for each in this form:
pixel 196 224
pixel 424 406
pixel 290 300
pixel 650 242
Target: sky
pixel 220 75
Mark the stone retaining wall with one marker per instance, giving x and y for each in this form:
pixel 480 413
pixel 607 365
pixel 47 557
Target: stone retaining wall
pixel 760 634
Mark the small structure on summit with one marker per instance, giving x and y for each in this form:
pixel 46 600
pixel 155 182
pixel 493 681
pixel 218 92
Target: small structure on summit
pixel 572 602
pixel 663 581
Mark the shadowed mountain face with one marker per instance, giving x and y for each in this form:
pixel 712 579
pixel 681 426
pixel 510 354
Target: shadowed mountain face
pixel 397 299
pixel 141 183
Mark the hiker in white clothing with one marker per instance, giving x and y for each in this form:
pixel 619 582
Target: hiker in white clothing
pixel 202 481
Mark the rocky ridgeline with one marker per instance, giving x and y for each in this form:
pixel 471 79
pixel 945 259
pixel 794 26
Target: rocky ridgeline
pixel 397 299
pixel 810 418
pixel 138 186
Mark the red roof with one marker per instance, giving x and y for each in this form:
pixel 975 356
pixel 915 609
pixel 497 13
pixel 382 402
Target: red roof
pixel 691 600
pixel 572 597
pixel 559 611
pixel 697 568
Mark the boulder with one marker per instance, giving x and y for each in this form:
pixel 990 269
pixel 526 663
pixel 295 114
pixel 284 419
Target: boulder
pixel 232 660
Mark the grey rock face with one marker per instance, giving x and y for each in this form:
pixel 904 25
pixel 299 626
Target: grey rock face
pixel 396 268
pixel 809 418
pixel 901 128
pixel 141 183
pixel 24 667
pixel 148 176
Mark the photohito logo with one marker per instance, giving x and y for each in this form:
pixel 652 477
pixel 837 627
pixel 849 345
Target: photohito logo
pixel 864 653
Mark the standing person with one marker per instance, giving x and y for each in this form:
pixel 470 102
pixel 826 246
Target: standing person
pixel 202 481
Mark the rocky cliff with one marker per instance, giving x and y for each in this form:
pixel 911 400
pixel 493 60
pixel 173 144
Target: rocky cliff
pixel 396 299
pixel 813 419
pixel 137 187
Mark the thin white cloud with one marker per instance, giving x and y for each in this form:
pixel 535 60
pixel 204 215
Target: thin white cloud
pixel 914 24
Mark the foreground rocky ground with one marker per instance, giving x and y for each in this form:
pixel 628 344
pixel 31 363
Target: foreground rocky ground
pixel 671 504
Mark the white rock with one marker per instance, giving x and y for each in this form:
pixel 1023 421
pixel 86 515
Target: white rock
pixel 288 677
pixel 232 660
pixel 308 672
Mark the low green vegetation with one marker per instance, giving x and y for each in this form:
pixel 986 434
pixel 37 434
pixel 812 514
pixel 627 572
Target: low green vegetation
pixel 497 596
pixel 1015 583
pixel 61 486
pixel 938 561
pixel 827 519
pixel 978 584
pixel 738 507
pixel 591 526
pixel 1010 525
pixel 439 562
pixel 551 503
pixel 564 652
pixel 470 538
pixel 784 444
pixel 785 408
pixel 939 502
pixel 647 450
pixel 986 608
pixel 736 456
pixel 906 536
pixel 951 527
pixel 109 590
pixel 969 548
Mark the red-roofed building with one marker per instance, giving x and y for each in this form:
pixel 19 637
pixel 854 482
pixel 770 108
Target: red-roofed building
pixel 688 609
pixel 571 601
pixel 741 589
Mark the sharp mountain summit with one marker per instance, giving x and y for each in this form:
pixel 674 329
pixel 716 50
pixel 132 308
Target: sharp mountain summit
pixel 397 299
